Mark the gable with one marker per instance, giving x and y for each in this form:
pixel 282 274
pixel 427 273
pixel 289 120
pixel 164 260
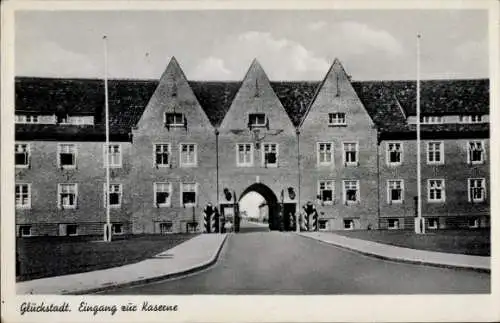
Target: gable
pixel 173 95
pixel 256 96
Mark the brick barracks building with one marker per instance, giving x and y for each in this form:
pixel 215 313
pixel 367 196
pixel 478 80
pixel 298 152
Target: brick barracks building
pixel 343 150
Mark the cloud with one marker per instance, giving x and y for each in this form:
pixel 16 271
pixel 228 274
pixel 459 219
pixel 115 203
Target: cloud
pixel 211 68
pixel 283 59
pixel 315 26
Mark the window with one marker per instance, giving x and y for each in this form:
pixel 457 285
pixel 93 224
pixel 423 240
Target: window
pixel 23 196
pixel 244 154
pixel 25 230
pixel 22 157
pixel 323 224
pixel 174 119
pixel 163 192
pixel 470 118
pixel 336 119
pixel 257 120
pixel 67 155
pixel 188 155
pixel 188 194
pixel 473 223
pixel 475 152
pixel 114 155
pixel 435 153
pixel 26 119
pixel 348 224
pixel 395 189
pixel 433 223
pixel 325 153
pixel 435 190
pixel 117 228
pixel 270 155
pixel 431 119
pixel 68 194
pixel 351 192
pixel 325 191
pixel 393 224
pixel 394 153
pixel 115 195
pixel 162 155
pixel 166 227
pixel 477 189
pixel 72 230
pixel 350 153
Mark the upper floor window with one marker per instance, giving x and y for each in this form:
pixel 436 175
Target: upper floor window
pixel 395 189
pixel 114 195
pixel 394 153
pixel 435 190
pixel 66 155
pixel 26 119
pixel 435 152
pixel 68 195
pixel 23 196
pixel 431 119
pixel 475 154
pixel 114 153
pixel 351 153
pixel 163 193
pixel 257 120
pixel 188 194
pixel 326 191
pixel 351 192
pixel 325 153
pixel 475 118
pixel 188 155
pixel 162 155
pixel 336 119
pixel 22 155
pixel 244 154
pixel 477 189
pixel 270 155
pixel 174 119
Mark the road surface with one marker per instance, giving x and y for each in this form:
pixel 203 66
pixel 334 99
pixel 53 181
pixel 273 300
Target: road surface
pixel 263 262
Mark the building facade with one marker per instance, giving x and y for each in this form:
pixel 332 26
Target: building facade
pixel 347 149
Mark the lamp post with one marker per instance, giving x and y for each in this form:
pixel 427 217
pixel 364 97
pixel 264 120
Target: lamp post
pixel 107 227
pixel 419 223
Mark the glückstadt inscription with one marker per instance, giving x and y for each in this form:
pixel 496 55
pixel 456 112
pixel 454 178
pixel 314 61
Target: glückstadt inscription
pixel 43 307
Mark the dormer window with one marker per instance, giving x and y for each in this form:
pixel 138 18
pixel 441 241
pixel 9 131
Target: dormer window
pixel 431 119
pixel 257 120
pixel 470 118
pixel 26 119
pixel 174 119
pixel 336 119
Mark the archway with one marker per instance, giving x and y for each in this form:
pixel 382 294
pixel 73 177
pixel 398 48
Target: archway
pixel 268 201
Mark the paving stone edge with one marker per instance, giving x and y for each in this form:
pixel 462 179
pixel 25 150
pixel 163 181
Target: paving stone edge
pixel 153 279
pixel 408 261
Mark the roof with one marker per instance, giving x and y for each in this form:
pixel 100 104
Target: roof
pixel 387 102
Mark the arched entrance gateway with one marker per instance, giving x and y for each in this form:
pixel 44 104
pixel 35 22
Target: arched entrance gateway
pixel 270 203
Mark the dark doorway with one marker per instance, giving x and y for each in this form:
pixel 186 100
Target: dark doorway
pixel 289 210
pixel 271 201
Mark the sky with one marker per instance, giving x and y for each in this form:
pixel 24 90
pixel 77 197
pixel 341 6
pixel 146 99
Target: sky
pixel 220 45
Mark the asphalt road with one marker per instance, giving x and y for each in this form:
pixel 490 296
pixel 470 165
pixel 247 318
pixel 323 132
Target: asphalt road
pixel 260 262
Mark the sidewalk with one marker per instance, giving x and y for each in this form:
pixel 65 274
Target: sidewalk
pixel 408 255
pixel 195 254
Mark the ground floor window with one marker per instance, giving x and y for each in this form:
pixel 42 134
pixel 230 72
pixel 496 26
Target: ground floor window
pixel 433 223
pixel 348 224
pixel 72 229
pixel 393 223
pixel 323 224
pixel 166 227
pixel 117 228
pixel 25 230
pixel 473 223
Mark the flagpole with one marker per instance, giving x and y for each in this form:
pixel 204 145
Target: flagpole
pixel 419 225
pixel 107 226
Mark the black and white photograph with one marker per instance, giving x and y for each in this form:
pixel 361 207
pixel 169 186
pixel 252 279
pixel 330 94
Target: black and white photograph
pixel 216 151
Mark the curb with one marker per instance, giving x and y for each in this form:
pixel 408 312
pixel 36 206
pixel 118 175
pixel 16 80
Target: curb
pixel 402 260
pixel 154 279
